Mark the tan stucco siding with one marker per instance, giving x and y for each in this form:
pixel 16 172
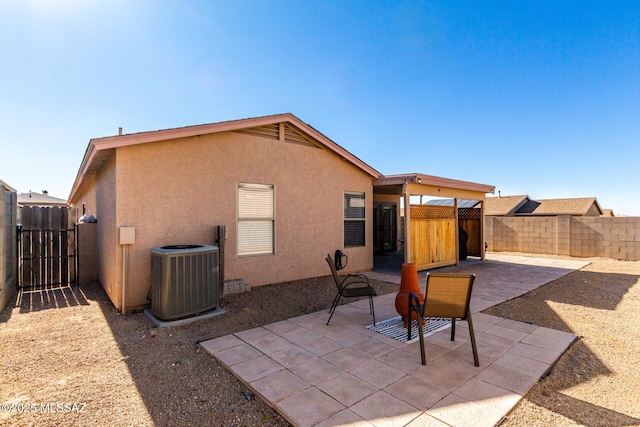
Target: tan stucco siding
pixel 86 195
pixel 175 192
pixel 106 238
pixel 98 193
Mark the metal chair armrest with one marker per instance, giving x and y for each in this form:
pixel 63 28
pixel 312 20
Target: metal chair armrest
pixel 351 279
pixel 414 304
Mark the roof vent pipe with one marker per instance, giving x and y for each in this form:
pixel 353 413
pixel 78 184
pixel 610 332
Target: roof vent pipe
pixel 120 131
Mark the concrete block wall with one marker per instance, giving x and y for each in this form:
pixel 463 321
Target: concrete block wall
pixel 617 237
pixel 607 237
pixel 8 245
pixel 522 234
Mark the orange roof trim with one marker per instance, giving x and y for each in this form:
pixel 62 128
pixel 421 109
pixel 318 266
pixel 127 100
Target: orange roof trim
pixel 97 145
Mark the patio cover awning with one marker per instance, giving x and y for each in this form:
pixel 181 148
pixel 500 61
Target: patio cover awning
pixel 416 184
pixel 429 185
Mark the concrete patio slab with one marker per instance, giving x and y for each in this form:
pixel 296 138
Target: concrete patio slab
pixel 345 374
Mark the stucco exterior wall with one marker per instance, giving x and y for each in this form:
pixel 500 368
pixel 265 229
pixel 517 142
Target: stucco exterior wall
pixel 176 192
pixel 99 195
pixel 85 195
pixel 106 232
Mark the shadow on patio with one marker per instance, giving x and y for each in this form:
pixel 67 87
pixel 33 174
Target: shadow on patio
pixel 584 303
pixel 167 374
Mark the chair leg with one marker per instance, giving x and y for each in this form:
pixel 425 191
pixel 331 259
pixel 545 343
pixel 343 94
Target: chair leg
pixel 422 354
pixel 333 307
pixel 473 340
pixel 372 310
pixel 453 329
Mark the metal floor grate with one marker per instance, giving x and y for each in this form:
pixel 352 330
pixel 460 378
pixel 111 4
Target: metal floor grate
pixel 394 328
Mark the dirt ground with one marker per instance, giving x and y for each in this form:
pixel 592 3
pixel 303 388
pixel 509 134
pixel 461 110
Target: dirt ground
pixel 69 358
pixel 597 381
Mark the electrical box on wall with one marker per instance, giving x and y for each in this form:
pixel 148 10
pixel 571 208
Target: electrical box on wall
pixel 127 235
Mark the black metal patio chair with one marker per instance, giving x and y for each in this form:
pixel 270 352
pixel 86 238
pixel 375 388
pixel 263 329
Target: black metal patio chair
pixel 346 288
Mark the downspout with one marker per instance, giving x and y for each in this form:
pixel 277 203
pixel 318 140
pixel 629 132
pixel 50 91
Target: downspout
pixel 124 278
pixel 455 209
pixel 483 242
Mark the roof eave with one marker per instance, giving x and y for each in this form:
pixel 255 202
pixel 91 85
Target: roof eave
pixel 436 181
pixel 113 142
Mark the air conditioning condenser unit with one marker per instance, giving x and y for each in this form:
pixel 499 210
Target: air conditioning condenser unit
pixel 184 280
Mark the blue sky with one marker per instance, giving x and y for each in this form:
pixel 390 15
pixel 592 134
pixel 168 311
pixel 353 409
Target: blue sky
pixel 539 98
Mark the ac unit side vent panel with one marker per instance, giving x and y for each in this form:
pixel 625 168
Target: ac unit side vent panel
pixel 184 282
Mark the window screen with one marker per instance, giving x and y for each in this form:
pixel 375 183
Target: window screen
pixel 354 219
pixel 256 219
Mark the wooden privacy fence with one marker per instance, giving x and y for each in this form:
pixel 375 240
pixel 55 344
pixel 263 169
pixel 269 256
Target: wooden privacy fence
pixel 47 248
pixel 433 236
pixel 469 220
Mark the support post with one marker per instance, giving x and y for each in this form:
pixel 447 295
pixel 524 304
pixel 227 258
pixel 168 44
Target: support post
pixel 407 224
pixel 221 233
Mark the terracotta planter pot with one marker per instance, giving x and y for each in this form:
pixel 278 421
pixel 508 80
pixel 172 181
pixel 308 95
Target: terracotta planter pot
pixel 408 283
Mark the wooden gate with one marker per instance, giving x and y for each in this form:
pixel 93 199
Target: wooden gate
pixel 47 246
pixel 433 236
pixel 469 221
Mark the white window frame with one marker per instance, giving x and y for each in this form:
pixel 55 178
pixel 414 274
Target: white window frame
pixel 349 218
pixel 256 222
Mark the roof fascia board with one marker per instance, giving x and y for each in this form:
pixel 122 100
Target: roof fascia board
pixel 435 181
pixel 184 132
pixel 333 146
pixel 84 166
pixel 161 135
pixel 111 142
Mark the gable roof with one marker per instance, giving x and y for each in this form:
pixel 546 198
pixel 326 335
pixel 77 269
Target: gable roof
pixel 504 205
pixel 608 212
pixel 39 199
pixel 285 127
pixel 573 206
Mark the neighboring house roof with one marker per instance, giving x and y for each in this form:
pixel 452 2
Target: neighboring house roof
pixel 575 206
pixel 607 212
pixel 286 127
pixel 504 205
pixel 462 203
pixel 39 199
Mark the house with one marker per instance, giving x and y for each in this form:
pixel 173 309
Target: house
pixel 504 205
pixel 608 212
pixel 525 206
pixel 287 194
pixel 39 199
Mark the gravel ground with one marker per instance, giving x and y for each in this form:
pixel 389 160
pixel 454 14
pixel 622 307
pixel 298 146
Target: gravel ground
pixel 72 347
pixel 597 381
